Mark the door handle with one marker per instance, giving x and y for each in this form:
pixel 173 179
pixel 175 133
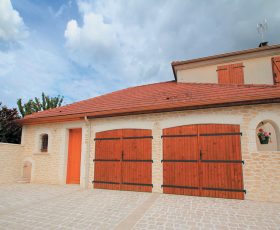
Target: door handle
pixel 122 155
pixel 200 154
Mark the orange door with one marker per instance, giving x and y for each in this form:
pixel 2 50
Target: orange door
pixel 74 156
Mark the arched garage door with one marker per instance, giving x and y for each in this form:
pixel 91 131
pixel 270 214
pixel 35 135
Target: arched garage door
pixel 123 160
pixel 203 160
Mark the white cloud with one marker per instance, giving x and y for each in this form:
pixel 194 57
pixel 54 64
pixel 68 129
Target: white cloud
pixel 135 41
pixel 12 27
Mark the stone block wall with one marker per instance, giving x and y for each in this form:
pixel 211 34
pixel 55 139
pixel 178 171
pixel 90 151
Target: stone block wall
pixel 10 167
pixel 261 171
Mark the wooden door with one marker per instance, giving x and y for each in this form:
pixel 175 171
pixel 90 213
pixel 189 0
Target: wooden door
pixel 180 160
pixel 107 164
pixel 123 160
pixel 74 156
pixel 203 160
pixel 137 160
pixel 220 161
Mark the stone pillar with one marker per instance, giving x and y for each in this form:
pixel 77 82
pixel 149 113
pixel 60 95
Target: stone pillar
pixel 157 157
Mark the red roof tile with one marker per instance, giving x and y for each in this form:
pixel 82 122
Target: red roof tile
pixel 165 96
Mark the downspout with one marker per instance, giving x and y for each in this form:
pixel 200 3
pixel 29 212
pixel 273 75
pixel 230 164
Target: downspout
pixel 88 152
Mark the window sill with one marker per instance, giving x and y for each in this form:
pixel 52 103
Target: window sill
pixel 42 153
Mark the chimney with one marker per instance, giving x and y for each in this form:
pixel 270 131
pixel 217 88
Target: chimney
pixel 262 44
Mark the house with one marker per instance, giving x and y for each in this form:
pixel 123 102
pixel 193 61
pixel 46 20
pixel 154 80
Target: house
pixel 199 134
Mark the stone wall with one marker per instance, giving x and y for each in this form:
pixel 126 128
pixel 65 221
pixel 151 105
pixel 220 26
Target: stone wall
pixel 10 168
pixel 49 167
pixel 261 172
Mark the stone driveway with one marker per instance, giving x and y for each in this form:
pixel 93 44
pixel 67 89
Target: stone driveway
pixel 32 206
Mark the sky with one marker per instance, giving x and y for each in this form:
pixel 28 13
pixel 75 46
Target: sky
pixel 84 48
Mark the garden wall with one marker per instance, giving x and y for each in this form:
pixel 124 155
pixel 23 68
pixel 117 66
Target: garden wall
pixel 10 162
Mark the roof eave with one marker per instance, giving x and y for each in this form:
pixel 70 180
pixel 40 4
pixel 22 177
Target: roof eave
pixel 102 114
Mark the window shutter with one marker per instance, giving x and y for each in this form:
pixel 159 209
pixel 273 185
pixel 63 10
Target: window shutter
pixel 231 74
pixel 223 74
pixel 236 73
pixel 276 70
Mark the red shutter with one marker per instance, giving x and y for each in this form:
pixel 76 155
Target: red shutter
pixel 231 74
pixel 223 74
pixel 236 73
pixel 276 70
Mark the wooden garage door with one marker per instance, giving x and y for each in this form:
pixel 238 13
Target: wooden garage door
pixel 203 160
pixel 123 160
pixel 74 156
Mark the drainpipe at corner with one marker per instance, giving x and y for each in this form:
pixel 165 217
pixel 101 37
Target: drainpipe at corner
pixel 88 153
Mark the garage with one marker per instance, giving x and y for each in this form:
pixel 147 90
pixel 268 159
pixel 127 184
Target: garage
pixel 203 160
pixel 123 160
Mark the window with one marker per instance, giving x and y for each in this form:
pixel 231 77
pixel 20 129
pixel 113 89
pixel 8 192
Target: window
pixel 276 70
pixel 231 74
pixel 44 142
pixel 267 136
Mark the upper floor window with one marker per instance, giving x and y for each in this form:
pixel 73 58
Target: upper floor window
pixel 44 142
pixel 276 70
pixel 231 74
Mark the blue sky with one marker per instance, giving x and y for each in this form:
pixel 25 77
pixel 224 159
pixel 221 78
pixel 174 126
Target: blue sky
pixel 84 48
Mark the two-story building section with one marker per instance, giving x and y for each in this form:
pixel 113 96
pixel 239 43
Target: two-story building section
pixel 213 131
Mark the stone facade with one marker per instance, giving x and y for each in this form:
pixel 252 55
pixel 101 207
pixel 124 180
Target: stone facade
pixel 10 168
pixel 261 171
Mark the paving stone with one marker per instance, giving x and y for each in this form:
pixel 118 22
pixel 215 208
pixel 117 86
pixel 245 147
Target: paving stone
pixel 35 206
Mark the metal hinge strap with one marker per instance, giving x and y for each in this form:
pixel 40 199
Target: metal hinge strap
pixel 220 134
pixel 105 182
pixel 222 161
pixel 139 184
pixel 138 161
pixel 180 135
pixel 107 139
pixel 179 160
pixel 178 186
pixel 139 137
pixel 224 189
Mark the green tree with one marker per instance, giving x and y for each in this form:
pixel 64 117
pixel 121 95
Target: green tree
pixel 10 130
pixel 36 104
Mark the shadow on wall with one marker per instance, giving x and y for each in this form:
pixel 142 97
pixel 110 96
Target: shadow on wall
pixel 267 136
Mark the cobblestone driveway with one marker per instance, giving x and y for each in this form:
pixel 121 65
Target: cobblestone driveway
pixel 31 206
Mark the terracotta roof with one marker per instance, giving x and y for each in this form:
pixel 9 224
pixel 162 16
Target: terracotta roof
pixel 158 97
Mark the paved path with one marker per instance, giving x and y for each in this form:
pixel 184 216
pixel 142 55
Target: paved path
pixel 31 206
